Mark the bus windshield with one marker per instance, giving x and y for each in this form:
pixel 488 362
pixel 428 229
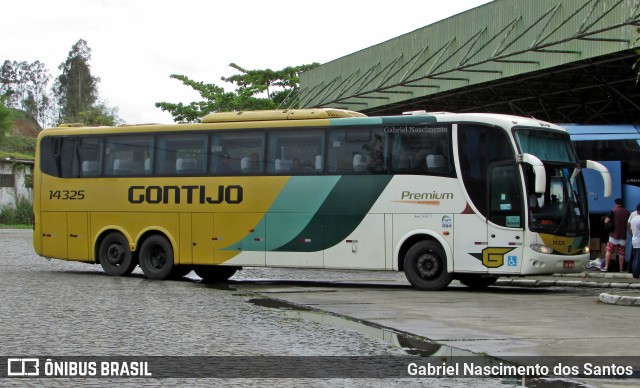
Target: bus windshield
pixel 562 209
pixel 546 145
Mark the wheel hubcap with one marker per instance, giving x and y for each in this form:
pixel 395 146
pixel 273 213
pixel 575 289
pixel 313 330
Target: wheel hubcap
pixel 428 265
pixel 157 257
pixel 115 254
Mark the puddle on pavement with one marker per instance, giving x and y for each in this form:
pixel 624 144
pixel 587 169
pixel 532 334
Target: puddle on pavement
pixel 411 345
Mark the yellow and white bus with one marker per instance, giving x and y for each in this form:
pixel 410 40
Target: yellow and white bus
pixel 440 196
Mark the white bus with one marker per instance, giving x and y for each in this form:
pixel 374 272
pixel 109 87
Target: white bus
pixel 440 196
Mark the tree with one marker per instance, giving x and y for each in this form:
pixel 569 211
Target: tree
pixel 26 87
pixel 76 89
pixel 5 119
pixel 100 114
pixel 255 89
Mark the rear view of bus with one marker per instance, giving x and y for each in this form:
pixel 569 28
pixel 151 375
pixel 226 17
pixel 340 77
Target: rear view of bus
pixel 440 196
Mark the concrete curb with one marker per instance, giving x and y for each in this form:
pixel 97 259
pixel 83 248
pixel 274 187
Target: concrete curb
pixel 585 279
pixel 551 282
pixel 619 300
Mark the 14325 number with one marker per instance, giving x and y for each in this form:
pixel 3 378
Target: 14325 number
pixel 66 194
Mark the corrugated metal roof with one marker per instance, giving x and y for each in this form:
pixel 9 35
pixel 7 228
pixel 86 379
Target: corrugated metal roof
pixel 501 39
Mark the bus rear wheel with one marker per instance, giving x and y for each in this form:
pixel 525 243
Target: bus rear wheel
pixel 156 258
pixel 214 273
pixel 115 256
pixel 425 266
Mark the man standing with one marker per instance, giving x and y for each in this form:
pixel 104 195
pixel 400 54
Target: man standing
pixel 634 229
pixel 618 237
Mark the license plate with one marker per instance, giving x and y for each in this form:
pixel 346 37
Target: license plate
pixel 569 264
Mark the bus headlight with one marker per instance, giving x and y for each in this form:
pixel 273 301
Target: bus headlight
pixel 586 249
pixel 541 248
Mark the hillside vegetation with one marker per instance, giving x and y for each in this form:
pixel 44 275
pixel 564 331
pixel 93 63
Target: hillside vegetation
pixel 20 142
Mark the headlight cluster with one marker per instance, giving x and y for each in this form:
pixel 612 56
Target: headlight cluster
pixel 542 248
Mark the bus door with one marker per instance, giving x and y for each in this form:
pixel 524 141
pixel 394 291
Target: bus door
pixel 505 230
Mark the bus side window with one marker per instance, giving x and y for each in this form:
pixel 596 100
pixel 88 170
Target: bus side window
pixel 68 167
pixel 126 155
pixel 357 150
pixel 296 152
pixel 181 154
pixel 245 152
pixel 423 150
pixel 88 153
pixel 49 155
pixel 56 156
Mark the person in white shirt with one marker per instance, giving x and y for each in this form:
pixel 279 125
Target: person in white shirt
pixel 634 228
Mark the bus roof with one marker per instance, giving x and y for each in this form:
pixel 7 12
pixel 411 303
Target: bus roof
pixel 287 114
pixel 295 117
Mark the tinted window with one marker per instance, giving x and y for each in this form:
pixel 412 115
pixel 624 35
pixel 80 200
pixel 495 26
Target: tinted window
pixel 238 153
pixel 357 150
pixel 128 155
pixel 505 198
pixel 181 154
pixel 478 147
pixel 89 150
pixel 296 152
pixel 628 151
pixel 57 157
pixel 422 150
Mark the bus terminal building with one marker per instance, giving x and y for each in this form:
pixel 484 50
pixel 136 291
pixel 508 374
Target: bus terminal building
pixel 563 61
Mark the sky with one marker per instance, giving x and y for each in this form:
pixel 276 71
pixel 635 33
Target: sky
pixel 137 44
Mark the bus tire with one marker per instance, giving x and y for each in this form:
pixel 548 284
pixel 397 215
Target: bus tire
pixel 115 256
pixel 156 258
pixel 214 273
pixel 475 281
pixel 425 266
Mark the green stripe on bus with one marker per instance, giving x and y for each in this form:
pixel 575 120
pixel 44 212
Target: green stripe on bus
pixel 342 211
pixel 292 210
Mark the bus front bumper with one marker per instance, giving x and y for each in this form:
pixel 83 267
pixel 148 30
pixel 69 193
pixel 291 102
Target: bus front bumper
pixel 546 264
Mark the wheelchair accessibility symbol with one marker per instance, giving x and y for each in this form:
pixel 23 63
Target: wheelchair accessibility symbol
pixel 512 261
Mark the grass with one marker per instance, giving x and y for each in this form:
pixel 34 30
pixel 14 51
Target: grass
pixel 20 213
pixel 20 226
pixel 16 155
pixel 18 147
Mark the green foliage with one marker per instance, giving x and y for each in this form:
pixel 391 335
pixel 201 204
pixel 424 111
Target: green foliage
pixel 76 89
pixel 26 170
pixel 100 114
pixel 255 90
pixel 26 87
pixel 19 145
pixel 6 120
pixel 19 214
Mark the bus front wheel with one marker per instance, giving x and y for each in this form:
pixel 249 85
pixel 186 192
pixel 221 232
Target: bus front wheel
pixel 425 266
pixel 156 258
pixel 115 256
pixel 214 273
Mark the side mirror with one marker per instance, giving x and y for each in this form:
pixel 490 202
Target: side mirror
pixel 604 173
pixel 538 169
